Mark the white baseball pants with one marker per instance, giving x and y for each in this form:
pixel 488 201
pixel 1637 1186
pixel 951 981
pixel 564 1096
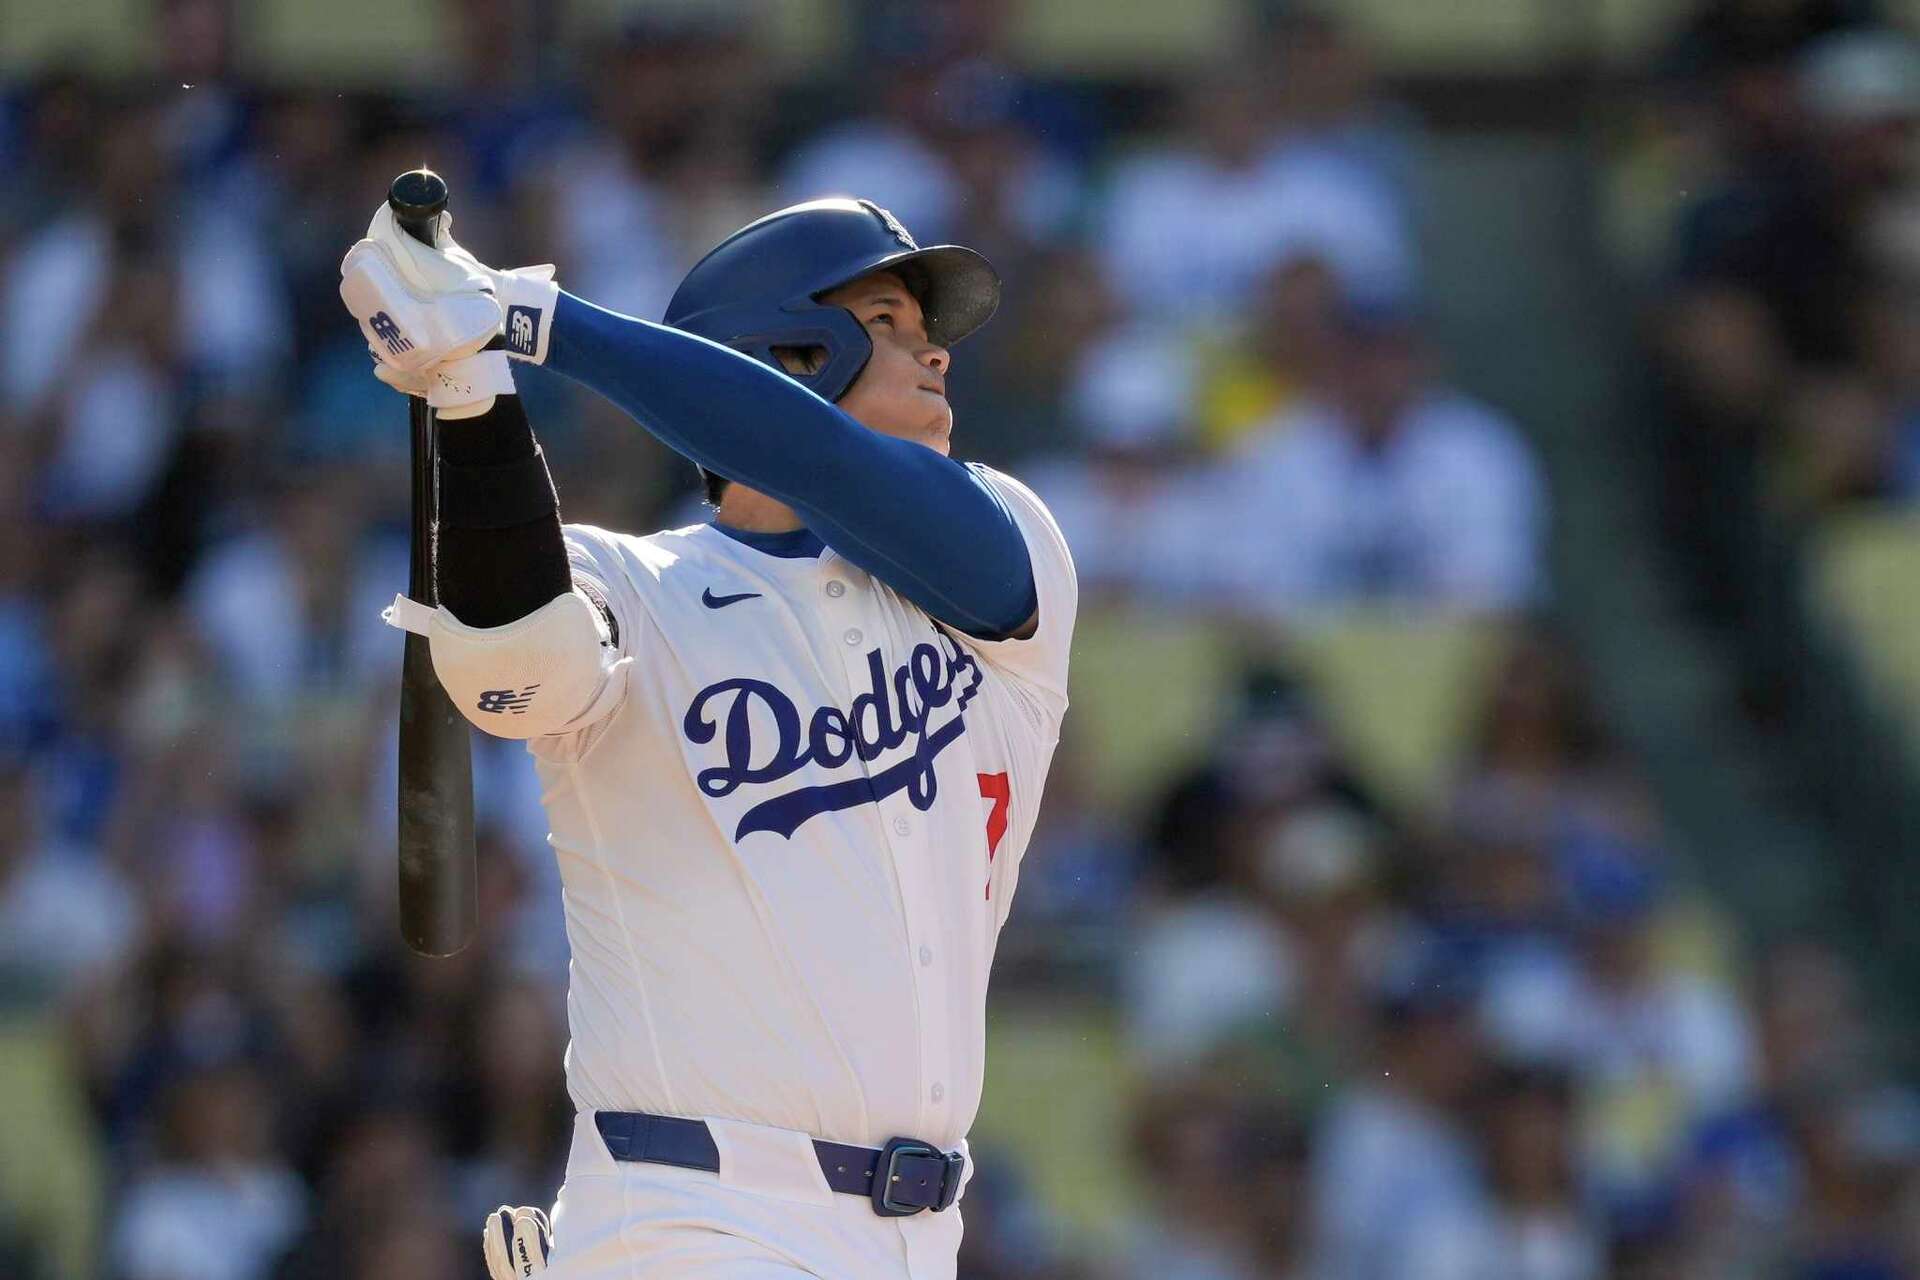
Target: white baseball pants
pixel 768 1215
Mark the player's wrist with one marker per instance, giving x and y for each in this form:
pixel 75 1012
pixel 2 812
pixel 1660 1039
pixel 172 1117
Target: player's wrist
pixel 526 297
pixel 466 388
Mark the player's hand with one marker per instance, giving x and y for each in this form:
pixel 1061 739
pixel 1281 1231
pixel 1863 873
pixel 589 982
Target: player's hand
pixel 516 1242
pixel 526 294
pixel 462 388
pixel 416 311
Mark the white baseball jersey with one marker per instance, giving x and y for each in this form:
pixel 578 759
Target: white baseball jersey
pixel 790 832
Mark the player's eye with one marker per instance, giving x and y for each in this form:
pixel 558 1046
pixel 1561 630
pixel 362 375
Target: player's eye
pixel 878 316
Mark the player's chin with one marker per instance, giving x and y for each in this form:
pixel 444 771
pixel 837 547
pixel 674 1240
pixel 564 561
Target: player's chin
pixel 938 432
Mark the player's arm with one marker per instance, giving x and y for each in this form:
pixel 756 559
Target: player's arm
pixel 500 554
pixel 523 647
pixel 927 526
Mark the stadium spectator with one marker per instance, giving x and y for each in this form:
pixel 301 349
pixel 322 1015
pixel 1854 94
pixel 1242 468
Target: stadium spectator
pixel 1132 494
pixel 664 166
pixel 523 1119
pixel 1321 872
pixel 68 918
pixel 1279 351
pixel 1226 1206
pixel 1270 814
pixel 1190 226
pixel 218 1204
pixel 1668 1047
pixel 326 575
pixel 1398 1187
pixel 1540 1229
pixel 1386 485
pixel 1790 278
pixel 1331 108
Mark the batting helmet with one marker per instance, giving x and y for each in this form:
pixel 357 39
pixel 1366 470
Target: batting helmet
pixel 760 288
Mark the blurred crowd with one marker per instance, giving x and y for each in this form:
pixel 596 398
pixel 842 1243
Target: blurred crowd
pixel 1501 1038
pixel 1769 195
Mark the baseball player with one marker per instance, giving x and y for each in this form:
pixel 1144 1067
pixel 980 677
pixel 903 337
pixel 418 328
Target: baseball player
pixel 790 758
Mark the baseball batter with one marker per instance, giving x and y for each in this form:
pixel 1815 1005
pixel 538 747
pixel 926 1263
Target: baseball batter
pixel 790 759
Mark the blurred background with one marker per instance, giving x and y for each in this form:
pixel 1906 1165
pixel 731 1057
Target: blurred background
pixel 1489 434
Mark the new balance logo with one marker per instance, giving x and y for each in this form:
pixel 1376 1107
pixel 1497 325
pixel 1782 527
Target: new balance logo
pixel 388 332
pixel 522 324
pixel 510 701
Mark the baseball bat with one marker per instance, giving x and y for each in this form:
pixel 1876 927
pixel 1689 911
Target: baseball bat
pixel 439 900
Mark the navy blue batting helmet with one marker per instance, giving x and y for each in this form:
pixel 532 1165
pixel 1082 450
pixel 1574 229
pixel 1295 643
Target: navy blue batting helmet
pixel 760 287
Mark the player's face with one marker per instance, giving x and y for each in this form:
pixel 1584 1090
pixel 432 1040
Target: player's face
pixel 902 391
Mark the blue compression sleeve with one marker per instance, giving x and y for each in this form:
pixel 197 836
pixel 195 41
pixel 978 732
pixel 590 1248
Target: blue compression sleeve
pixel 927 526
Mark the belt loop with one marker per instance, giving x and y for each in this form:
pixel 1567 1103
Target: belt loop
pixel 616 1130
pixel 645 1129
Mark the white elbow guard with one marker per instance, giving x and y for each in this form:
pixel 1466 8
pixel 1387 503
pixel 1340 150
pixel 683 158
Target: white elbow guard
pixel 538 675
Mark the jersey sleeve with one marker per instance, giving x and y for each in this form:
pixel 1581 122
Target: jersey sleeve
pixel 1029 690
pixel 1036 664
pixel 595 560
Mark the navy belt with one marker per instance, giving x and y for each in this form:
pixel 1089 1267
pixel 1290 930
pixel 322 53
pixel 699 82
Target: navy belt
pixel 901 1178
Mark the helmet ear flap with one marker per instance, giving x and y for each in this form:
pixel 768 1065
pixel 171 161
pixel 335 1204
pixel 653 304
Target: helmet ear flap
pixel 764 331
pixel 761 331
pixel 800 362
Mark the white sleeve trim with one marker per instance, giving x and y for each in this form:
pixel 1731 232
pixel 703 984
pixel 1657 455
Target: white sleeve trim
pixel 408 614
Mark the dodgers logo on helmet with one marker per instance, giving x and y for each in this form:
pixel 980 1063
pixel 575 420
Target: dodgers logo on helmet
pixel 894 226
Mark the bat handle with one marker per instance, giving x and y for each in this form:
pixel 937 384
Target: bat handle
pixel 418 197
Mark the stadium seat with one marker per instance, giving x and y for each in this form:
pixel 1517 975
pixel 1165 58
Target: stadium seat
pixel 1861 571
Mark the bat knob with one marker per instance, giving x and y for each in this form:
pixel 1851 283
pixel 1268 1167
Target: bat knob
pixel 418 197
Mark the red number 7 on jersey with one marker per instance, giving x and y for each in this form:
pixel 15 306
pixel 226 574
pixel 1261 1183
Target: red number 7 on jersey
pixel 994 787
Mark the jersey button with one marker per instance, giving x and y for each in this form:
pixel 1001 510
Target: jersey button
pixel 836 588
pixel 853 635
pixel 939 1091
pixel 901 826
pixel 926 956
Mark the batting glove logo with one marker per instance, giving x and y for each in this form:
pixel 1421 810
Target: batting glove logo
pixel 388 332
pixel 516 1243
pixel 522 324
pixel 509 701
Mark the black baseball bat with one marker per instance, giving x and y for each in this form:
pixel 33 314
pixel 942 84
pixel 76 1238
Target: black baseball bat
pixel 439 900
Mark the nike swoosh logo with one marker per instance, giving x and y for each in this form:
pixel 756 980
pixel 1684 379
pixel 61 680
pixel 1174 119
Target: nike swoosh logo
pixel 713 601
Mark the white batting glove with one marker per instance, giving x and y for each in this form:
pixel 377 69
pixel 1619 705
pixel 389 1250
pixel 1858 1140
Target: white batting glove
pixel 411 319
pixel 526 294
pixel 516 1242
pixel 462 388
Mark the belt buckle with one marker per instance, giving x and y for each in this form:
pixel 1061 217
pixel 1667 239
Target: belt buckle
pixel 887 1177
